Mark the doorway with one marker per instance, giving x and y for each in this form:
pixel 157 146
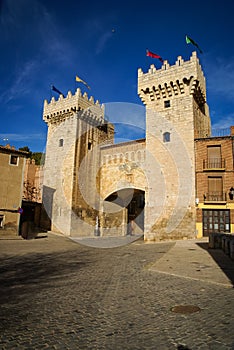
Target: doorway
pixel 215 221
pixel 134 202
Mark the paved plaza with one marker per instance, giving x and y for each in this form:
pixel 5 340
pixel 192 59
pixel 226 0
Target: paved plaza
pixel 57 293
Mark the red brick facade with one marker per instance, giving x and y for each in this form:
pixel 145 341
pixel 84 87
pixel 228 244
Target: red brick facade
pixel 214 181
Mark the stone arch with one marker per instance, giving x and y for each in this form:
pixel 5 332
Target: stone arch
pixel 132 202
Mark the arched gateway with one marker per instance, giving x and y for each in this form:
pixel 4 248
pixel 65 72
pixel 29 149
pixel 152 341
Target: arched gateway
pixel 93 185
pixel 126 215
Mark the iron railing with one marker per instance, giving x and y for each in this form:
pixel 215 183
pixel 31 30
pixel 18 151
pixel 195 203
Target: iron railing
pixel 214 163
pixel 215 197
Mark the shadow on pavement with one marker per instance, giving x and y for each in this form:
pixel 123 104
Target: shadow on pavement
pixel 221 259
pixel 28 275
pixel 35 234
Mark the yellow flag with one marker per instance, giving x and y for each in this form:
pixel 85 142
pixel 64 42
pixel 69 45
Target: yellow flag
pixel 79 80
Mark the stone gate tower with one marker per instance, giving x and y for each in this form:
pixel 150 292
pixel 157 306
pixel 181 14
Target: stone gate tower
pixel 176 113
pixel 76 128
pixel 83 168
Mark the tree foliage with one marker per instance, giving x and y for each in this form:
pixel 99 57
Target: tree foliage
pixel 39 157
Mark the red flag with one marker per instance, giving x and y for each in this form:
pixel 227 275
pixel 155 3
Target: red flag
pixel 153 55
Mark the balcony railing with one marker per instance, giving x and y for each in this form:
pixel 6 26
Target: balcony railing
pixel 215 197
pixel 216 163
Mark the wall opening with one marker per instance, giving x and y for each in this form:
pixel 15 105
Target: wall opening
pixel 1 221
pixel 133 200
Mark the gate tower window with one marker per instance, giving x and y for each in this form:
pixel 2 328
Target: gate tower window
pixel 166 137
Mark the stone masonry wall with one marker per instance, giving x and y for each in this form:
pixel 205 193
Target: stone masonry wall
pixel 175 99
pixel 76 127
pixel 122 166
pixel 58 174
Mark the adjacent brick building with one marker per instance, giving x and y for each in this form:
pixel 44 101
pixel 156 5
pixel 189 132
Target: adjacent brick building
pixel 215 184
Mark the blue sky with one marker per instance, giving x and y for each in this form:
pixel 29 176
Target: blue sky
pixel 46 42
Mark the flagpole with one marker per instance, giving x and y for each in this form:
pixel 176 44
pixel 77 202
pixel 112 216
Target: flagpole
pixel 147 59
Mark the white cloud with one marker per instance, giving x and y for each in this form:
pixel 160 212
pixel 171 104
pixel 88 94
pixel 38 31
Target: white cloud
pixel 10 15
pixel 23 18
pixel 53 45
pixel 22 137
pixel 98 31
pixel 52 48
pixel 36 142
pixel 21 83
pixel 103 41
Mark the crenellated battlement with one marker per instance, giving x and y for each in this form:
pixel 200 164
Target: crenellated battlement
pixel 57 110
pixel 185 77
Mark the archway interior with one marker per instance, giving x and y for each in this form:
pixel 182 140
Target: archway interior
pixel 134 202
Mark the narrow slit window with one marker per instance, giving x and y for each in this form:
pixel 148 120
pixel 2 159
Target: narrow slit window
pixel 167 103
pixel 166 137
pixel 61 143
pixel 89 145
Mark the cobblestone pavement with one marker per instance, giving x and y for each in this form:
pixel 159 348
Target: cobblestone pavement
pixel 58 294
